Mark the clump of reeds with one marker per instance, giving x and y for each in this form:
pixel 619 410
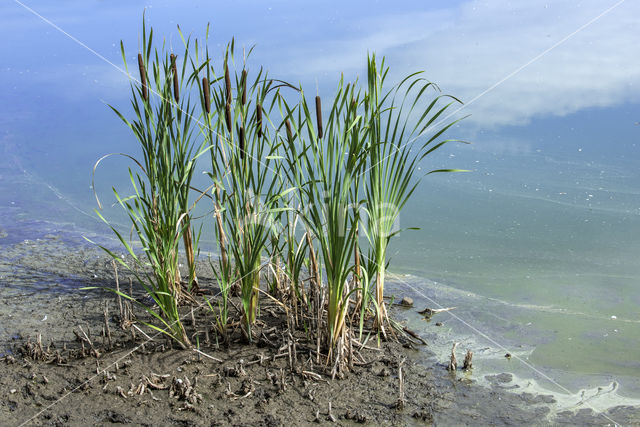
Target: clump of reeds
pixel 246 184
pixel 290 196
pixel 331 168
pixel 159 210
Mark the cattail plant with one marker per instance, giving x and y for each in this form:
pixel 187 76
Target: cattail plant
pixel 210 129
pixel 398 138
pixel 184 159
pixel 294 246
pixel 159 208
pixel 250 190
pixel 330 166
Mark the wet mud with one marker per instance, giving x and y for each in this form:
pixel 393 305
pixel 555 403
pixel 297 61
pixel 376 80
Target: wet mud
pixel 50 375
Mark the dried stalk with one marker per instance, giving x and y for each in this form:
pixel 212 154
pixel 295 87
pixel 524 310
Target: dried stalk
pixel 467 365
pixel 453 362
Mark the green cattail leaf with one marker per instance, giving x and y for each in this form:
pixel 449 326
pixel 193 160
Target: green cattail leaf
pixel 227 83
pixel 447 170
pixel 124 59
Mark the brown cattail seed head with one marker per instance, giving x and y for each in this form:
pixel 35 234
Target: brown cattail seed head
pixel 227 83
pixel 207 98
pixel 241 142
pixel 176 87
pixel 244 87
pixel 227 116
pixel 289 132
pixel 319 116
pixel 143 78
pixel 259 119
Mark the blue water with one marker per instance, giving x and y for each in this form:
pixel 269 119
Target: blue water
pixel 545 229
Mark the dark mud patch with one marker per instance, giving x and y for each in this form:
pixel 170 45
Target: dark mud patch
pixel 248 384
pixel 142 390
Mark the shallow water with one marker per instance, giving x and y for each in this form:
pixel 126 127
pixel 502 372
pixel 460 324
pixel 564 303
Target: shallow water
pixel 557 262
pixel 538 245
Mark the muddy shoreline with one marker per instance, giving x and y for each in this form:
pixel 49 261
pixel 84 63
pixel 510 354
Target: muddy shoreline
pixel 155 384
